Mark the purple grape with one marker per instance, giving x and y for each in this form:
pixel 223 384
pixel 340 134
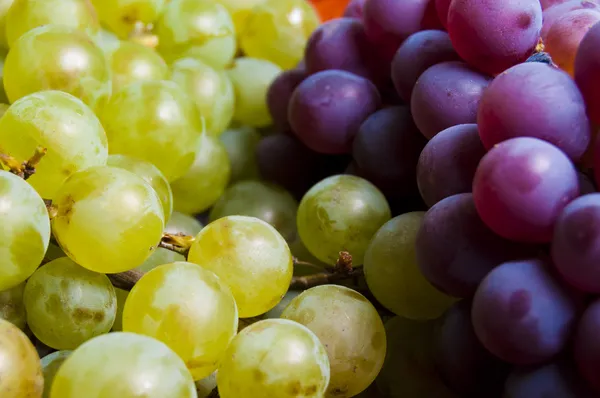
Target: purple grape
pixel 535 100
pixel 521 314
pixel 493 35
pixel 445 95
pixel 327 109
pixel 586 185
pixel 521 186
pixel 448 162
pixel 554 12
pixel 587 64
pixel 419 52
pixel 455 250
pixel 354 9
pixel 587 345
pixel 441 7
pixel 279 94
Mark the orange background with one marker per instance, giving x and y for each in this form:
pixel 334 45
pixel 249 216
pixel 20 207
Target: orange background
pixel 329 9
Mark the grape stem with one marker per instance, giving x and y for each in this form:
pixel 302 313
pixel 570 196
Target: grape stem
pixel 178 243
pixel 23 169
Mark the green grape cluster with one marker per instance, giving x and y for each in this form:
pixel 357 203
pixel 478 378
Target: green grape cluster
pixel 50 365
pixel 132 62
pixel 121 16
pixel 240 144
pixel 12 307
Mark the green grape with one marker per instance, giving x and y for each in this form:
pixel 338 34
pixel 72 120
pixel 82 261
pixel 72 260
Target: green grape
pixel 240 10
pixel 50 365
pixel 20 368
pixel 197 29
pixel 278 31
pixel 154 121
pixel 341 213
pixel 210 89
pixel 56 58
pixel 3 109
pixel 192 311
pixel 182 223
pixel 25 230
pixel 351 330
pixel 54 252
pixel 132 62
pixel 251 78
pixel 159 257
pixel 121 297
pixel 285 301
pixel 107 41
pixel 261 200
pixel 274 358
pixel 3 97
pixel 109 220
pixel 121 16
pixel 240 144
pixel 151 174
pixel 123 365
pixel 300 252
pixel 393 275
pixel 12 308
pixel 250 256
pixel 205 386
pixel 4 7
pixel 205 181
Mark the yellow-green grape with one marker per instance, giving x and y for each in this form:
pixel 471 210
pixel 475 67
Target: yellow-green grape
pixel 160 257
pixel 106 41
pixel 3 97
pixel 262 200
pixel 123 365
pixel 206 386
pixel 3 109
pixel 133 62
pixel 251 78
pixel 205 181
pixel 341 213
pixel 393 275
pixel 56 58
pixel 154 121
pixel 278 309
pixel 240 10
pixel 274 358
pixel 240 144
pixel 197 29
pixel 151 174
pixel 12 308
pixel 182 223
pixel 25 230
pixel 121 16
pixel 50 365
pixel 121 298
pixel 278 31
pixel 250 256
pixel 20 367
pixel 351 330
pixel 4 7
pixel 210 89
pixel 189 309
pixel 108 219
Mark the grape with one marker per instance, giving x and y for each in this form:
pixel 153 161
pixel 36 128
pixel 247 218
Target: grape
pixel 121 16
pixel 586 347
pixel 354 9
pixel 159 257
pixel 277 31
pixel 240 10
pixel 551 14
pixel 393 275
pixel 183 223
pixel 107 41
pixel 108 219
pixel 494 35
pixel 251 78
pixel 20 368
pixel 161 125
pixel 279 95
pixel 206 180
pixel 275 358
pixel 456 250
pixel 551 3
pixel 448 162
pixel 12 308
pixel 282 305
pixel 123 365
pixel 198 326
pixel 520 187
pixel 4 7
pixel 197 29
pixel 351 331
pixel 521 314
pixel 250 256
pixel 121 297
pixel 261 200
pixel 206 386
pixel 327 109
pixel 151 174
pixel 442 7
pixel 587 62
pixel 240 144
pixel 50 365
pixel 419 52
pixel 585 184
pixel 210 89
pixel 25 227
pixel 132 62
pixel 445 95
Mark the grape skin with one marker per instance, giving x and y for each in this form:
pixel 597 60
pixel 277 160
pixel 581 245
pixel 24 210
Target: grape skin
pixel 182 223
pixel 240 10
pixel 442 7
pixel 279 95
pixel 586 348
pixel 132 62
pixel 122 15
pixel 551 14
pixel 4 7
pixel 121 297
pixel 240 144
pixel 354 9
pixel 12 308
pixel 50 365
pixel 587 62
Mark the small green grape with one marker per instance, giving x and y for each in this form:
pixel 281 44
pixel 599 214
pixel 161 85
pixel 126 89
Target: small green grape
pixel 206 386
pixel 159 257
pixel 240 144
pixel 182 223
pixel 4 7
pixel 250 256
pixel 261 200
pixel 251 78
pixel 278 309
pixel 107 41
pixel 109 220
pixel 121 298
pixel 240 10
pixel 132 62
pixel 210 89
pixel 160 125
pixel 121 16
pixel 193 312
pixel 205 181
pixel 25 230
pixel 123 365
pixel 50 365
pixel 351 330
pixel 12 308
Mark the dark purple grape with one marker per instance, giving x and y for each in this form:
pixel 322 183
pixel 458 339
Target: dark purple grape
pixel 535 100
pixel 279 94
pixel 441 7
pixel 521 314
pixel 554 12
pixel 455 250
pixel 493 35
pixel 419 51
pixel 521 186
pixel 587 65
pixel 354 9
pixel 327 109
pixel 587 345
pixel 448 162
pixel 586 185
pixel 445 95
